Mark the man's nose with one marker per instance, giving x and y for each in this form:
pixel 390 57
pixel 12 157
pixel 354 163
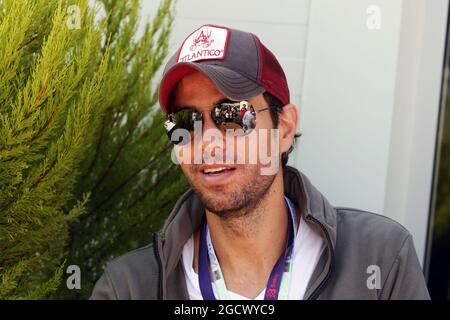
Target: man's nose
pixel 208 123
pixel 212 147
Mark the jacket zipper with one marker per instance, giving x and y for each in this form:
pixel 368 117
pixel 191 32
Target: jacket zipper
pixel 317 291
pixel 158 259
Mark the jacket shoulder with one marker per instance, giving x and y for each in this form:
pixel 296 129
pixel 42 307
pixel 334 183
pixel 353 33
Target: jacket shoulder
pixel 134 275
pixel 372 246
pixel 366 239
pixel 370 226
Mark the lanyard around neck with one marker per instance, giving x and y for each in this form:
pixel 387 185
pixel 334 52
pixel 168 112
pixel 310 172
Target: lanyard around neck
pixel 277 286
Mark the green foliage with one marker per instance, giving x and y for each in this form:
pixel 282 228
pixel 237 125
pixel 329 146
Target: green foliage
pixel 441 225
pixel 85 170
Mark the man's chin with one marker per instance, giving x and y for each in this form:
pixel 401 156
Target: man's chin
pixel 217 202
pixel 235 197
pixel 221 202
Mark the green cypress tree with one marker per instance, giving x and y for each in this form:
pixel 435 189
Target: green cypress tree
pixel 85 170
pixel 130 175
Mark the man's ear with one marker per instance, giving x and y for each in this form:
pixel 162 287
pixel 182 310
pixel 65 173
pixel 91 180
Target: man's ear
pixel 288 120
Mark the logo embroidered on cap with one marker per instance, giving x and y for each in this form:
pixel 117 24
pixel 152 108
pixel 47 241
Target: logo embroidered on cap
pixel 202 39
pixel 208 42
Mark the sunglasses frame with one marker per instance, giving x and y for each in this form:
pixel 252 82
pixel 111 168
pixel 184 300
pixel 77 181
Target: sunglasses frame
pixel 171 126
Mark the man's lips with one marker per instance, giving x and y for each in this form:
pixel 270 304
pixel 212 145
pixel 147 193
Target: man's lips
pixel 216 174
pixel 215 168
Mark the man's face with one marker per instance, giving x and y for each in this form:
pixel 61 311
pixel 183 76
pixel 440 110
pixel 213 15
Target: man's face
pixel 240 186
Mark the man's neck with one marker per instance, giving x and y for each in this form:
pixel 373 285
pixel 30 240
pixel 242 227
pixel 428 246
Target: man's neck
pixel 249 245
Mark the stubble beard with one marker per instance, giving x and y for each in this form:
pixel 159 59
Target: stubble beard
pixel 240 202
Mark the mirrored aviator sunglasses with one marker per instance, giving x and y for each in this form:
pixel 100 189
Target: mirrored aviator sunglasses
pixel 237 117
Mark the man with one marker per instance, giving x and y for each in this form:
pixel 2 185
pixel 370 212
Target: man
pixel 247 120
pixel 239 233
pixel 243 110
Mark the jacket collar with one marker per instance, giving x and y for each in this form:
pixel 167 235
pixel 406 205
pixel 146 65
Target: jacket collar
pixel 187 214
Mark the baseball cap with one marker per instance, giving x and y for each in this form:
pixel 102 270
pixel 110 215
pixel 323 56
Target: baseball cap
pixel 236 61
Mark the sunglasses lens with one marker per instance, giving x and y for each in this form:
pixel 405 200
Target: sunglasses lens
pixel 239 117
pixel 182 119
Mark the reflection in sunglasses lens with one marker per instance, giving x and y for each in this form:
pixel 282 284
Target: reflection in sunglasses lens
pixel 240 117
pixel 185 118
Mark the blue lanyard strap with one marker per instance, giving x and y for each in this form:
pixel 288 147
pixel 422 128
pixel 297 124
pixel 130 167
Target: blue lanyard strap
pixel 282 266
pixel 203 266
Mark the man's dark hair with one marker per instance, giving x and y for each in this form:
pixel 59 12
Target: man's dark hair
pixel 275 110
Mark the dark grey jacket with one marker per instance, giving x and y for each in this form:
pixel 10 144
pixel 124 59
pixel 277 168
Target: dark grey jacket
pixel 360 247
